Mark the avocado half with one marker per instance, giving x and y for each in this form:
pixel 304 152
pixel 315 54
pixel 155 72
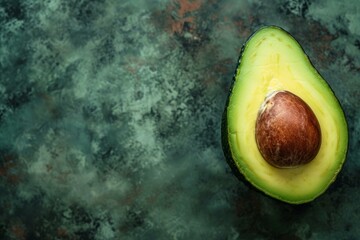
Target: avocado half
pixel 272 60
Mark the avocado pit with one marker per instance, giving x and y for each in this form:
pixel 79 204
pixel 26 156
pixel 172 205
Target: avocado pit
pixel 287 131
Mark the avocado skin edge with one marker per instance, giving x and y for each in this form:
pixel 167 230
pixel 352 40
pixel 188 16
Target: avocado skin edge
pixel 224 133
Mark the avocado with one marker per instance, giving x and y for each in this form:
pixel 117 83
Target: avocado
pixel 283 129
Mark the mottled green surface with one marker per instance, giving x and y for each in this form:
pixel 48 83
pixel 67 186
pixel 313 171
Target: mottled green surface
pixel 110 118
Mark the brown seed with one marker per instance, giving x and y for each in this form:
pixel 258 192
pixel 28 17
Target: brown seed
pixel 287 131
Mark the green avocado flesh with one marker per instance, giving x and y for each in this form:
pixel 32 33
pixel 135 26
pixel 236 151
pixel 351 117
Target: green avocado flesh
pixel 272 60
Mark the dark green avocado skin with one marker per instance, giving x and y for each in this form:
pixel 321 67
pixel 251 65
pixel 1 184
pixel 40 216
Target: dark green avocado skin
pixel 224 133
pixel 228 156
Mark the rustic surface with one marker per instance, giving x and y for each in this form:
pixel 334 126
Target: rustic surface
pixel 110 119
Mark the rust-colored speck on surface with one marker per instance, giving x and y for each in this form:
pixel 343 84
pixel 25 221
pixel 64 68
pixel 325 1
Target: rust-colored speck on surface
pixel 183 10
pixel 9 169
pixel 18 231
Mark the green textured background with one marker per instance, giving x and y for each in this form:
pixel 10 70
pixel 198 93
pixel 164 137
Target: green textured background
pixel 110 118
